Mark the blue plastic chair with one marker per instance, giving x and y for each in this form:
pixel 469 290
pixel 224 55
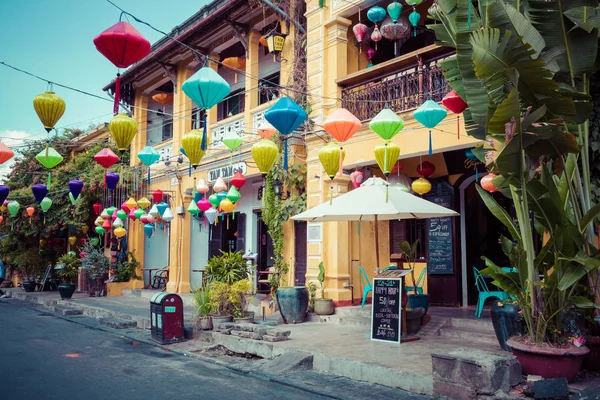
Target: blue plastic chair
pixel 367 287
pixel 420 278
pixel 485 293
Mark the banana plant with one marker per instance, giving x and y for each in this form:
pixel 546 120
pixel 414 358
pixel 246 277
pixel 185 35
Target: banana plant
pixel 523 68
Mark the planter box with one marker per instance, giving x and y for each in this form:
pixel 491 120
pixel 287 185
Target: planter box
pixel 116 288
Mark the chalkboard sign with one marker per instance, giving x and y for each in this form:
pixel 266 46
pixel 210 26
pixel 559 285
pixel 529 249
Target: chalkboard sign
pixel 385 316
pixel 439 232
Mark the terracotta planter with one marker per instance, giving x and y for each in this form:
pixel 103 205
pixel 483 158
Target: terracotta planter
pixel 549 362
pixel 248 318
pixel 204 323
pixel 593 360
pixel 324 306
pixel 218 319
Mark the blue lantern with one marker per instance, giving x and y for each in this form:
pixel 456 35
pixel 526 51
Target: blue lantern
pixel 148 156
pixel 395 10
pixel 148 230
pixel 414 18
pixel 162 207
pixel 430 114
pixel 39 192
pixel 376 14
pixel 286 116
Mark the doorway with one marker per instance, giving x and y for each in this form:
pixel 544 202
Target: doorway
pixel 227 235
pixel 300 256
pixel 264 259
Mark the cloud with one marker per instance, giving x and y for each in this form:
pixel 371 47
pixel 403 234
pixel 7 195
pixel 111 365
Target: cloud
pixel 15 140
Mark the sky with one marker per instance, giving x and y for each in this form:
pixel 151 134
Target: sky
pixel 54 39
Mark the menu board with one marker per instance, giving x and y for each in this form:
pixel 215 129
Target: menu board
pixel 385 317
pixel 439 232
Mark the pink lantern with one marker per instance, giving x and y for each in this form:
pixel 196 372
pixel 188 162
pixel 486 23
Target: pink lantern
pixel 203 204
pixel 376 36
pixel 131 214
pixel 357 178
pixel 370 54
pixel 125 207
pixel 360 31
pixel 144 219
pixel 113 217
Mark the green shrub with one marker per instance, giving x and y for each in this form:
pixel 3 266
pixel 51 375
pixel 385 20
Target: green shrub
pixel 228 268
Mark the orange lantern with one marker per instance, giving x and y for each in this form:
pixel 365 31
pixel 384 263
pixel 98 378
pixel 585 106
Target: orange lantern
pixel 235 64
pixel 30 211
pixel 1 219
pixel 487 182
pixel 5 153
pixel 266 130
pixel 263 41
pixel 342 125
pixel 163 98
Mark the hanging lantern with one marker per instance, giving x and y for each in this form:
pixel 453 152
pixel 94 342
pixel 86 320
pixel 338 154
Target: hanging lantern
pixel 98 221
pixel 138 213
pixel 106 225
pixel 168 216
pixel 192 145
pixel 120 232
pixel 357 177
pixel 386 124
pixel 453 102
pixel 72 240
pixel 100 230
pixel 413 3
pixel 122 214
pixel 123 45
pixel 162 208
pixel 395 30
pixel 210 215
pixel 49 108
pixel 265 130
pixel 206 88
pixel 376 14
pixel 220 185
pixel 143 203
pixel 203 204
pixel 132 214
pixel 131 203
pixel 85 229
pixel 157 195
pixel 75 187
pixel 202 187
pixel 264 153
pixel 402 181
pixel 149 230
pixel 226 205
pixel 72 199
pixel 45 204
pixel 144 219
pixel 330 156
pixel 421 186
pixel 341 125
pixel 5 153
pixel 263 41
pixel 233 194
pixel 286 116
pixel 232 141
pixel 49 158
pixel 4 191
pixel 106 158
pixel 43 242
pixel 414 18
pixel 487 182
pixel 236 64
pixel 395 10
pixel 13 208
pixel 163 98
pixel 376 36
pixel 425 169
pixel 430 114
pixel 39 192
pixel 386 156
pixel 193 208
pixel 360 31
pixel 111 211
pixel 123 129
pixel 238 180
pixel 148 156
pixel 30 211
pixel 221 196
pixel 112 179
pixel 154 211
pixel 214 200
pixel 118 223
pixel 94 241
pixel 370 55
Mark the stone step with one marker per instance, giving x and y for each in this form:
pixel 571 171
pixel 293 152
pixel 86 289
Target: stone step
pixel 65 310
pixel 117 323
pixel 353 311
pixel 345 320
pixel 472 324
pixel 469 335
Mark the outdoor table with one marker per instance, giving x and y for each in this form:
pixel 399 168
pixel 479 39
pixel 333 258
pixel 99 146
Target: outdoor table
pixel 149 270
pixel 400 273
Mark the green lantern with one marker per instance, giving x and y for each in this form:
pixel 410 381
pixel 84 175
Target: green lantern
pixel 95 241
pixel 233 194
pixel 138 213
pixel 13 208
pixel 193 208
pixel 214 200
pixel 46 204
pixel 386 124
pixel 49 158
pixel 100 230
pixel 73 200
pixel 111 210
pixel 122 215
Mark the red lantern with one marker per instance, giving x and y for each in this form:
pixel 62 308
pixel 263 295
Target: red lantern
pixel 123 45
pixel 97 208
pixel 106 224
pixel 357 178
pixel 453 102
pixel 425 169
pixel 398 167
pixel 487 182
pixel 157 195
pixel 106 157
pixel 5 153
pixel 238 180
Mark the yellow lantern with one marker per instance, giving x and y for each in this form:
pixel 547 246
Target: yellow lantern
pixel 120 232
pixel 331 159
pixel 226 205
pixel 43 242
pixel 265 153
pixel 123 129
pixel 143 203
pixel 386 156
pixel 421 186
pixel 49 108
pixel 192 146
pixel 131 203
pixel 85 229
pixel 3 208
pixel 72 240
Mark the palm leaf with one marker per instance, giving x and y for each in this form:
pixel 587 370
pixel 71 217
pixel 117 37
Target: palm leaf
pixel 586 18
pixel 499 213
pixel 506 17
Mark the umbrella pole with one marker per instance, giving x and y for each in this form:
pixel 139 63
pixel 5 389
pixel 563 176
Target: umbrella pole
pixel 376 247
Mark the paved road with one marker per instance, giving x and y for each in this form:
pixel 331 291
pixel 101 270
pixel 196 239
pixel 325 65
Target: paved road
pixel 44 357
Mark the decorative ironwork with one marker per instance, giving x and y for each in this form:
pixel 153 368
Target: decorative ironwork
pixel 219 132
pixel 400 92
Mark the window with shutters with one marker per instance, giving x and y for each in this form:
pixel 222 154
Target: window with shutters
pixel 409 230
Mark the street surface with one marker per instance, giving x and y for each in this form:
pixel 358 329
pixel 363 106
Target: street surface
pixel 45 357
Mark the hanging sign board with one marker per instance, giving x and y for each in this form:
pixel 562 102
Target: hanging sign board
pixel 439 234
pixel 226 172
pixel 385 316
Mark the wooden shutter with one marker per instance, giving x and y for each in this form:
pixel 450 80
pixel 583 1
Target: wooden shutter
pixel 240 244
pixel 397 234
pixel 216 240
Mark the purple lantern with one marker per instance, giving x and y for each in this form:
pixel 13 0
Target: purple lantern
pixel 39 192
pixel 112 179
pixel 4 191
pixel 75 187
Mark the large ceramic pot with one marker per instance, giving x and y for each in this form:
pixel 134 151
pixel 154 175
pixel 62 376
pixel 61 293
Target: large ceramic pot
pixel 324 306
pixel 293 304
pixel 549 362
pixel 66 291
pixel 413 320
pixel 506 321
pixel 29 286
pixel 218 319
pixel 418 301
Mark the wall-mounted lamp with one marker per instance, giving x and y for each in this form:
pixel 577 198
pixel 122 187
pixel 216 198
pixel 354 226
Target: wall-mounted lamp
pixel 279 190
pixel 275 42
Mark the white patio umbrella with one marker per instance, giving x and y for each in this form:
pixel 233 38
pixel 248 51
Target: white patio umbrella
pixel 368 203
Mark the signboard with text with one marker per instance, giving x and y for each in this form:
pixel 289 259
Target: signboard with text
pixel 439 234
pixel 226 172
pixel 385 316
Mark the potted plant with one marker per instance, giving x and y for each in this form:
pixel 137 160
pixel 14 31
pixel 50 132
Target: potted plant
pixel 312 290
pixel 323 306
pixel 409 252
pixel 205 307
pixel 238 297
pixel 96 265
pixel 67 269
pixel 229 267
pixel 221 305
pixel 29 262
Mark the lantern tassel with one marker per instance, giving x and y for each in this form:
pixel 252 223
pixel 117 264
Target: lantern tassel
pixel 204 135
pixel 228 222
pixel 358 227
pixel 341 171
pixel 331 195
pixel 49 180
pixel 204 222
pixel 117 94
pixel 430 144
pixel 385 152
pixel 387 191
pixel 233 216
pixel 148 175
pixel 285 154
pixel 458 126
pixel 190 169
pixel 476 174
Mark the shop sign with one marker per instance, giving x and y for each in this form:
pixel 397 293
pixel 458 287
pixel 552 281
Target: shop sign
pixel 226 172
pixel 440 233
pixel 385 318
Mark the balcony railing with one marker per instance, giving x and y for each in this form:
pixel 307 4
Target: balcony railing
pixel 234 126
pixel 401 91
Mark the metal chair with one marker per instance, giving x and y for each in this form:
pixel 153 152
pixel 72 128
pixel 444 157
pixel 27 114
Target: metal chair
pixel 485 293
pixel 367 285
pixel 161 278
pixel 420 278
